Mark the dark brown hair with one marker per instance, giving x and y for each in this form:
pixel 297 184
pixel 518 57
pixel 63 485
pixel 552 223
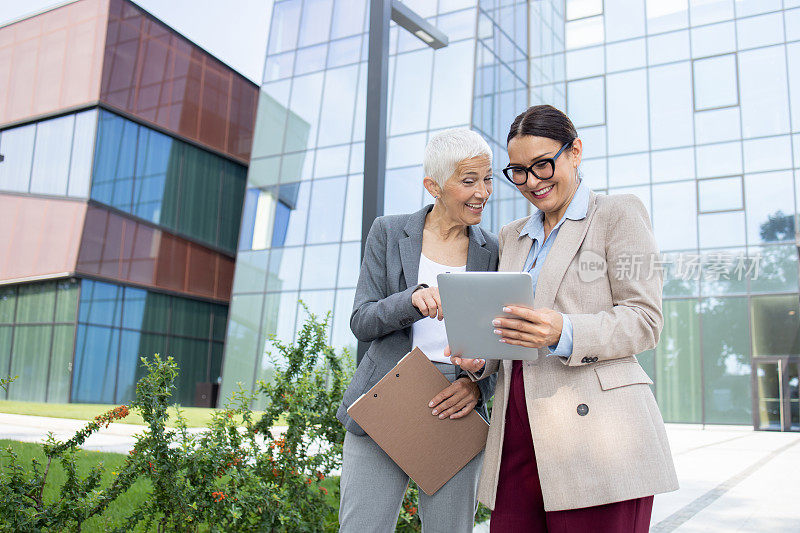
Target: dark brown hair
pixel 543 121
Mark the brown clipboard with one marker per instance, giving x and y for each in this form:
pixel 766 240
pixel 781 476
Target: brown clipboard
pixel 396 415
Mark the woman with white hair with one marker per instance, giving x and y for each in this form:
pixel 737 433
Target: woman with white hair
pixel 396 308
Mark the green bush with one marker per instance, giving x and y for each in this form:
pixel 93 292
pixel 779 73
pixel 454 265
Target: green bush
pixel 239 475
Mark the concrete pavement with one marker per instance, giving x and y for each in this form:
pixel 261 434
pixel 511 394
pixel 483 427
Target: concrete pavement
pixel 732 478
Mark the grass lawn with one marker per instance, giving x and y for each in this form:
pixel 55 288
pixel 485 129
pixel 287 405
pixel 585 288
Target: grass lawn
pixel 195 416
pixel 125 504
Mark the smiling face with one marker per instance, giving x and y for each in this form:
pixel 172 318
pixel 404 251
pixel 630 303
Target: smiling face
pixel 464 195
pixel 553 195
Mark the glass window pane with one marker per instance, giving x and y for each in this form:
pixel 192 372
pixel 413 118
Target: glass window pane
pixel 315 26
pixel 775 322
pixel 348 18
pixel 586 102
pixel 52 150
pixel 114 161
pixel 8 301
pixel 765 106
pixel 584 32
pixel 770 209
pixel 5 351
pixel 66 300
pixel 331 162
pixel 101 303
pixel 156 312
pixel 678 389
pixel 403 190
pixel 721 229
pixel 352 211
pixel 624 19
pixel 666 15
pixel 583 8
pixel 672 165
pixel 793 66
pixel 717 125
pixel 719 160
pixel 190 318
pixel 626 55
pixel 61 364
pixel 192 356
pixel 16 145
pixel 405 151
pixel 721 194
pixel 723 272
pixel 776 268
pixel 128 362
pixel 35 303
pixel 220 313
pixel 349 265
pixel 345 52
pixel 671 106
pixel 285 20
pixel 80 169
pixel 726 361
pixel 627 112
pixel 242 343
pixel 327 208
pixel 768 154
pixel 410 99
pixel 284 269
pixel 675 215
pixel 668 47
pixel 342 337
pixel 317 263
pixel 338 106
pixel 30 358
pixel 311 59
pixel 585 62
pixel 628 170
pixel 153 163
pixel 251 271
pixel 279 66
pixel 708 11
pixel 452 76
pixel 305 104
pixel 713 40
pixel 759 31
pixel 715 82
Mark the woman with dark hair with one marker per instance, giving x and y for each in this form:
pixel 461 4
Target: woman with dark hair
pixel 576 441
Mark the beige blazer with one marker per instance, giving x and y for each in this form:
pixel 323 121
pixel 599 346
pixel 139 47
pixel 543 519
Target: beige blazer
pixel 618 450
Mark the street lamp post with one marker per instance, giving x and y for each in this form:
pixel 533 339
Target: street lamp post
pixel 381 13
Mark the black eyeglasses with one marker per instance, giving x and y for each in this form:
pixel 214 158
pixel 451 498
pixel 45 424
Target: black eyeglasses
pixel 542 169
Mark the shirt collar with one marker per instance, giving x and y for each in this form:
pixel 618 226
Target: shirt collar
pixel 576 210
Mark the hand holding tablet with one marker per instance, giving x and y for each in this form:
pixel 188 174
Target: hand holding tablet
pixel 472 301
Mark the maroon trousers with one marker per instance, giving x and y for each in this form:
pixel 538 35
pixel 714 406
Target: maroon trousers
pixel 519 506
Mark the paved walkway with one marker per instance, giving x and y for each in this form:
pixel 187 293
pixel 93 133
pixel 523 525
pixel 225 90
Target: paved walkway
pixel 732 478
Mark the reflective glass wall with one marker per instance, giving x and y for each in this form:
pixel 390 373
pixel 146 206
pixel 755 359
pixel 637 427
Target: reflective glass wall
pixel 52 157
pixel 693 107
pixel 37 335
pixel 168 182
pixel 118 325
pixel 301 225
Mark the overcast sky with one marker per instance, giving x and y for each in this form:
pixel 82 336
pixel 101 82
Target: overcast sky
pixel 235 31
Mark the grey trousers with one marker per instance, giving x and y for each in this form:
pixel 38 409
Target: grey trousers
pixel 372 488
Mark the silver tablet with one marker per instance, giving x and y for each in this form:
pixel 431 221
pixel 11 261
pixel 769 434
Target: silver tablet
pixel 471 300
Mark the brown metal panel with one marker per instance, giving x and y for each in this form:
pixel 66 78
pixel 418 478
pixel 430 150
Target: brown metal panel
pixel 202 271
pixel 157 75
pixel 119 248
pixel 52 61
pixel 39 237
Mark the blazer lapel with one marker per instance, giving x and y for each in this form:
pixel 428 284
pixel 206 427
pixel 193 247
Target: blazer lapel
pixel 411 245
pixel 478 257
pixel 566 245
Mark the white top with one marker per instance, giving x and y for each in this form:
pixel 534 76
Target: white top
pixel 428 333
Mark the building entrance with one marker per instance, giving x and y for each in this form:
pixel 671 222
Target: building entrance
pixel 776 384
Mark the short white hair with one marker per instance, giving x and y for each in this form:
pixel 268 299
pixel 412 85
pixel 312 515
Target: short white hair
pixel 450 147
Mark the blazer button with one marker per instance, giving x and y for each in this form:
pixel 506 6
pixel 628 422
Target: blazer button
pixel 585 360
pixel 594 359
pixel 583 409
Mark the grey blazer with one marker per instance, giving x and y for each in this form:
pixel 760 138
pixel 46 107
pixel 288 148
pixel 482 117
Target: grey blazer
pixel 382 310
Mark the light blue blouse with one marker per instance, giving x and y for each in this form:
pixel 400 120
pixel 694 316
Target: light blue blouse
pixel 534 229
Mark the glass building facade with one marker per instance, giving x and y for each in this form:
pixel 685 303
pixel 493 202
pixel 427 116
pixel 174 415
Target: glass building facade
pixel 671 102
pixel 693 107
pixel 122 204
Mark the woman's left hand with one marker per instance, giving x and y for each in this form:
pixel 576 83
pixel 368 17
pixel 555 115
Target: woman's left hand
pixel 457 400
pixel 532 328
